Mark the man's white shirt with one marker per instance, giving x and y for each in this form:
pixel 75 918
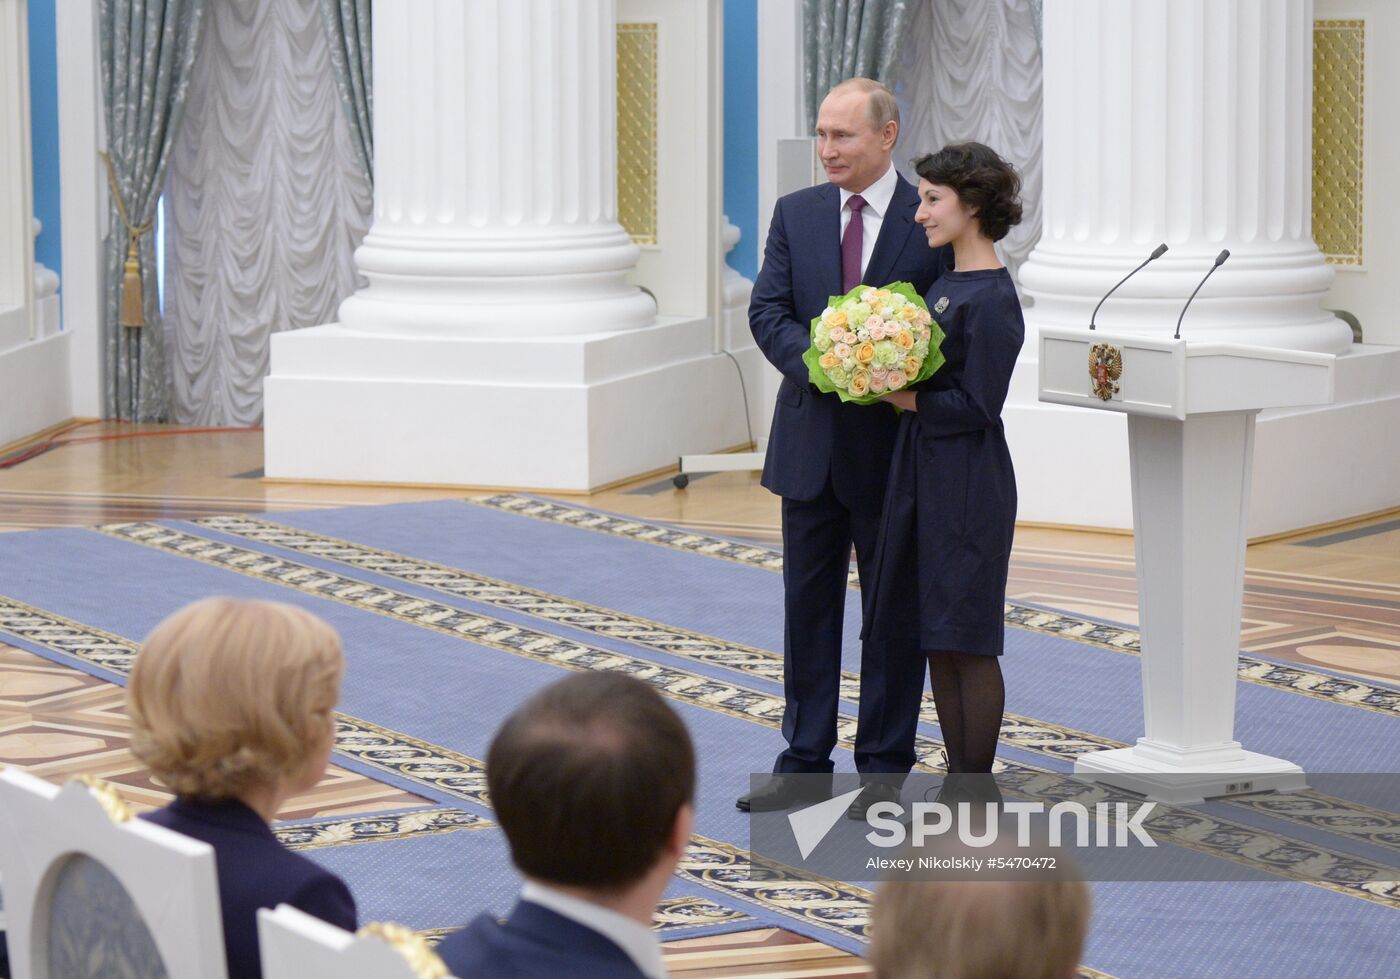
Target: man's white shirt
pixel 877 202
pixel 638 941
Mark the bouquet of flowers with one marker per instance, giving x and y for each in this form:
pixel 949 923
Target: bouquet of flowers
pixel 870 341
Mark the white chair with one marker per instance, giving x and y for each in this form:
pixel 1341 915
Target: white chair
pixel 296 945
pixel 91 892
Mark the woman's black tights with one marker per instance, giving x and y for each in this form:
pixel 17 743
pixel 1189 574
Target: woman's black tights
pixel 970 696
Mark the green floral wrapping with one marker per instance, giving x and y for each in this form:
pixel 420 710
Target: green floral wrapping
pixel 872 341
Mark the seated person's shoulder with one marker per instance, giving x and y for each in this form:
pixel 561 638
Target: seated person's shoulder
pixel 317 891
pixel 254 867
pixel 476 950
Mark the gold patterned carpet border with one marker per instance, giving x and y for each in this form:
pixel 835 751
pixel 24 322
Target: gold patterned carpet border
pixel 719 864
pixel 840 907
pixel 433 821
pixel 453 773
pixel 1310 808
pixel 1311 683
pixel 1017 730
pixel 1328 867
pixel 672 914
pixel 696 912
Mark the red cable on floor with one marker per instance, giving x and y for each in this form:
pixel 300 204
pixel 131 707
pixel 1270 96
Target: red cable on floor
pixel 37 450
pixel 54 441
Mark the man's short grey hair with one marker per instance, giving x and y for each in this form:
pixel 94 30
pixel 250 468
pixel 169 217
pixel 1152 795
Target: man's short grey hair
pixel 881 107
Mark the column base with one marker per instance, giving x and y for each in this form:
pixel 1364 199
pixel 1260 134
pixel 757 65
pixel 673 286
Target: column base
pixel 34 377
pixel 1179 776
pixel 548 413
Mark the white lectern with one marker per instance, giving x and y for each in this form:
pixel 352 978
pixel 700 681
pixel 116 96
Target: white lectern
pixel 1191 408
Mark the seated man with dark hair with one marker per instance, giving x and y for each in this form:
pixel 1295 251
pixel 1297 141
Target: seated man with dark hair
pixel 593 781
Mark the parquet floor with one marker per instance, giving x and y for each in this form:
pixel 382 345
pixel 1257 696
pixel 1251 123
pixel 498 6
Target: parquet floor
pixel 1329 597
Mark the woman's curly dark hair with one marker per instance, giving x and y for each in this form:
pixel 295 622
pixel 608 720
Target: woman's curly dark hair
pixel 981 179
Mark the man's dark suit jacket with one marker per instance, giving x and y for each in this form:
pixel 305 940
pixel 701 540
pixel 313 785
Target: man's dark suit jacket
pixel 255 871
pixel 534 942
pixel 813 434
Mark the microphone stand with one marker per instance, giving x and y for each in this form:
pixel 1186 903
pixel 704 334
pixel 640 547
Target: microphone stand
pixel 1157 253
pixel 1219 261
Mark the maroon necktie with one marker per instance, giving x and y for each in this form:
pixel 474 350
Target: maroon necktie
pixel 851 244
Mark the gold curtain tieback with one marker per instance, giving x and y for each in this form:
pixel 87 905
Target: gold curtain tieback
pixel 133 306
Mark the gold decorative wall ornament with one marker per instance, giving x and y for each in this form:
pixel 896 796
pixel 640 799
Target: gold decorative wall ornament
pixel 1105 368
pixel 637 110
pixel 1338 184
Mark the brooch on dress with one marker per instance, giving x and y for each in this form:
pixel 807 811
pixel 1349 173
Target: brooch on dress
pixel 941 305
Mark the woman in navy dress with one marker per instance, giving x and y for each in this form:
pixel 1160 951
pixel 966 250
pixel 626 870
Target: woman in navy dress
pixel 950 507
pixel 231 708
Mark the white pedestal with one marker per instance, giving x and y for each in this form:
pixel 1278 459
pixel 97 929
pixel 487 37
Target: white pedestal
pixel 1072 466
pixel 1164 774
pixel 1191 411
pixel 1190 493
pixel 552 413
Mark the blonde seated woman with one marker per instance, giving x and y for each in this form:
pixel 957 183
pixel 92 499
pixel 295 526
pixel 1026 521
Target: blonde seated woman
pixel 231 704
pixel 1032 928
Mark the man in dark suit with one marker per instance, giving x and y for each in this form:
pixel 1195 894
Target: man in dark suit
pixel 829 460
pixel 593 782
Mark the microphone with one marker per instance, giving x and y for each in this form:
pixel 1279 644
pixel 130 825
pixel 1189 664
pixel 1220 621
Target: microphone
pixel 1157 253
pixel 1219 261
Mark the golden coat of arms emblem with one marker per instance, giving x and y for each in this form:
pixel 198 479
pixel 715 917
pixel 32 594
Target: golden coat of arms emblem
pixel 1105 368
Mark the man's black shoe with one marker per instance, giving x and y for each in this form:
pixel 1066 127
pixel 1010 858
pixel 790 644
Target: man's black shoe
pixel 976 788
pixel 786 792
pixel 871 793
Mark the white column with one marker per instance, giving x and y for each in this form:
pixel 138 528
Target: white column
pixel 498 342
pixel 33 359
pixel 1187 122
pixel 495 210
pixel 779 95
pixel 754 378
pixel 761 379
pixel 16 199
pixel 83 203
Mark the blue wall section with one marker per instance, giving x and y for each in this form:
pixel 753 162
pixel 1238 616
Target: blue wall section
pixel 43 116
pixel 741 130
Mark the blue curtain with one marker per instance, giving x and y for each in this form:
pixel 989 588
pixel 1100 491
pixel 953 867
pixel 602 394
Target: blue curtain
pixel 348 32
pixel 147 48
pixel 849 38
